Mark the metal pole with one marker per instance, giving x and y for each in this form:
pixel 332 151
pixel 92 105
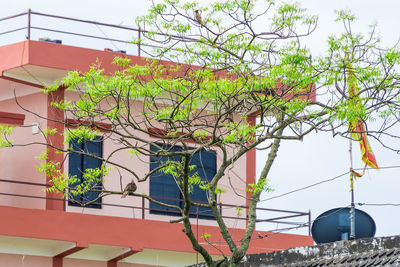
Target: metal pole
pixel 29 24
pixel 352 209
pixel 143 207
pixel 309 222
pixel 197 230
pixel 139 31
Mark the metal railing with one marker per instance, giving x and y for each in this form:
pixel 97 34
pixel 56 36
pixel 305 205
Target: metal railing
pixel 289 214
pixel 29 27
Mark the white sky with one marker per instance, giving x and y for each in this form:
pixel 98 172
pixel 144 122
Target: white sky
pixel 319 156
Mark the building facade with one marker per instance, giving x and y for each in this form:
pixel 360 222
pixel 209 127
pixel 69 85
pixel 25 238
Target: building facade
pixel 40 228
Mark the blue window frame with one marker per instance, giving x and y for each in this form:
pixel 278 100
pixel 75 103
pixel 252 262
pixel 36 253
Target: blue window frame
pixel 79 163
pixel 163 186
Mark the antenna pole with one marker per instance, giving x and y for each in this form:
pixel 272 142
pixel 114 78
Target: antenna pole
pixel 352 209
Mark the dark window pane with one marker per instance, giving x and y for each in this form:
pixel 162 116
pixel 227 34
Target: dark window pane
pixel 206 162
pixel 79 163
pixel 93 147
pixel 163 187
pixel 75 169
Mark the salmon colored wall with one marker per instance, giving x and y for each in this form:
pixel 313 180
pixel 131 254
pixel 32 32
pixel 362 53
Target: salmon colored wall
pixel 54 115
pixel 250 163
pixel 18 163
pixel 65 57
pixel 13 55
pixel 134 233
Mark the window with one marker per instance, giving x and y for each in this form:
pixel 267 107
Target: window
pixel 79 163
pixel 163 187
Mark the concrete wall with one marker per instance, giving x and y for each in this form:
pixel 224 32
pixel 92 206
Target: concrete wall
pixel 19 163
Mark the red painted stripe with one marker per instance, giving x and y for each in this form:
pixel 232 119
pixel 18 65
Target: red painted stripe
pixel 55 115
pixel 84 229
pixel 114 262
pixel 101 126
pixel 159 133
pixel 21 81
pixel 58 259
pixel 250 163
pixel 12 118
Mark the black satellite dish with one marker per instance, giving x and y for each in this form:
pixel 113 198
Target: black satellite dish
pixel 334 225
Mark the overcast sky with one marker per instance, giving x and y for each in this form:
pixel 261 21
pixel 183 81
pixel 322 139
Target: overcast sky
pixel 319 156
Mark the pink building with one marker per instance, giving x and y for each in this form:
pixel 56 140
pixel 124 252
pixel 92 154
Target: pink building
pixel 42 229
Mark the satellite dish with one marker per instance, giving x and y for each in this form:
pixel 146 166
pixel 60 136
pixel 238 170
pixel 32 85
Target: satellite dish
pixel 334 225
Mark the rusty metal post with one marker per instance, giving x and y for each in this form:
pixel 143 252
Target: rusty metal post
pixel 143 208
pixel 139 32
pixel 29 25
pixel 352 207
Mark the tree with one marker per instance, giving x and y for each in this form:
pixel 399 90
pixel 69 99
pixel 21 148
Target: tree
pixel 213 67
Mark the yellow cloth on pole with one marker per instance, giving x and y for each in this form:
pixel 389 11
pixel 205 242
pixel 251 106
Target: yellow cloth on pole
pixel 357 128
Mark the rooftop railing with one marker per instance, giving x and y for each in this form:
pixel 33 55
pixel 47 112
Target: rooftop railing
pixel 32 28
pixel 34 31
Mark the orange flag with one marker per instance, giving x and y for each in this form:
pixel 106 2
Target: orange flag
pixel 358 130
pixel 358 133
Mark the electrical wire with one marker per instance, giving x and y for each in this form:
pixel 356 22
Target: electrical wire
pixel 306 187
pixel 324 181
pixel 379 204
pixel 282 230
pixel 105 35
pixel 277 231
pixel 318 183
